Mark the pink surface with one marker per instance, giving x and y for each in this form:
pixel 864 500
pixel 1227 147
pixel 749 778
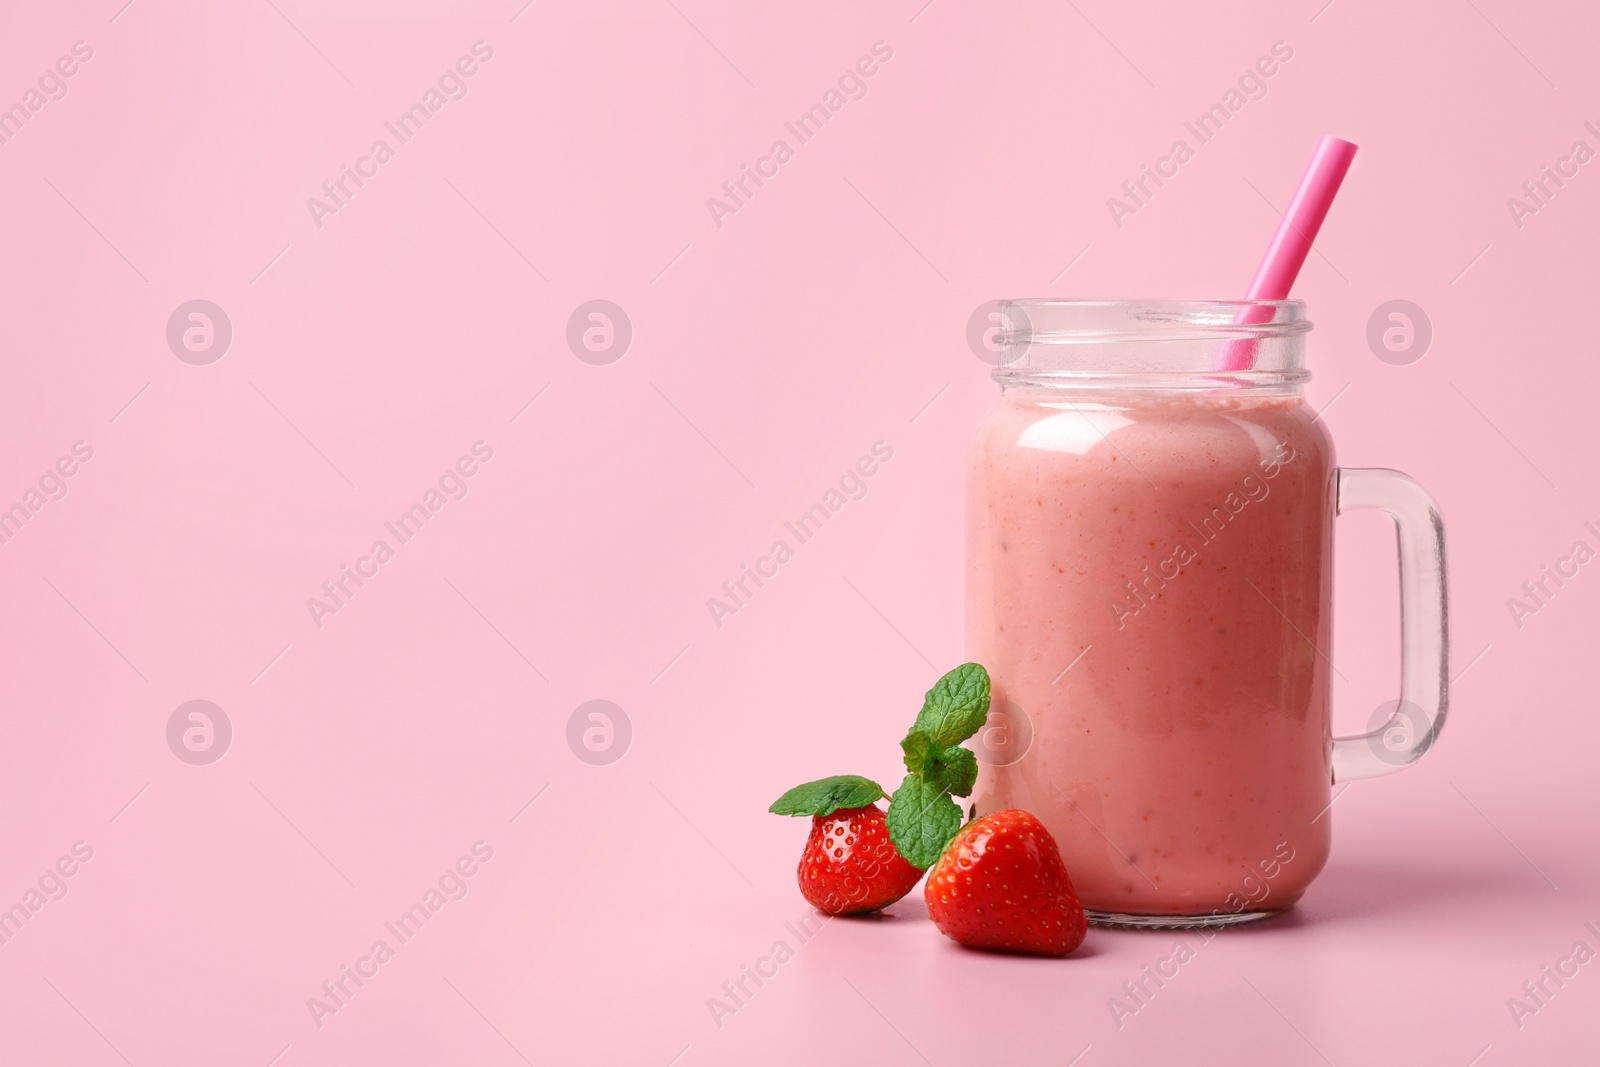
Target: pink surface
pixel 771 341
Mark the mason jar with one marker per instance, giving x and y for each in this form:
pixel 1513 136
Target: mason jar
pixel 1149 583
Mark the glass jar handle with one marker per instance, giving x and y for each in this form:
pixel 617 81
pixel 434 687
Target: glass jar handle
pixel 1424 626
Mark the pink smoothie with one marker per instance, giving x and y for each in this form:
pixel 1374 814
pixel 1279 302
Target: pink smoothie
pixel 1149 584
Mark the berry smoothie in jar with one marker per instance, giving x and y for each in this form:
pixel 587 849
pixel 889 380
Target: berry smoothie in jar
pixel 1148 584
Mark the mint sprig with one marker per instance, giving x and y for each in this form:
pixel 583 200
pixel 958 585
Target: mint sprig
pixel 923 817
pixel 951 768
pixel 827 795
pixel 956 706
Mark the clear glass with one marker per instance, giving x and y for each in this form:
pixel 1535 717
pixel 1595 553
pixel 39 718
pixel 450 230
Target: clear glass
pixel 1149 583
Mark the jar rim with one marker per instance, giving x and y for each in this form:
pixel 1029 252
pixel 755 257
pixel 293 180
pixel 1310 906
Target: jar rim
pixel 1145 344
pixel 1055 320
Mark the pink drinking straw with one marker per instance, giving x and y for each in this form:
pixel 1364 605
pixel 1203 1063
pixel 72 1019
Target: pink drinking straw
pixel 1276 274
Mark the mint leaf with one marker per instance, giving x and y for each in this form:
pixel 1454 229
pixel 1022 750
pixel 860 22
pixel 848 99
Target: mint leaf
pixel 956 771
pixel 922 819
pixel 921 751
pixel 953 769
pixel 956 707
pixel 827 795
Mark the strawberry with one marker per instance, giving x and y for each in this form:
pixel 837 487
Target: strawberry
pixel 863 859
pixel 849 865
pixel 1001 885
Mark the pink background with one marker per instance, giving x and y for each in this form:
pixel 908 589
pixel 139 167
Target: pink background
pixel 767 354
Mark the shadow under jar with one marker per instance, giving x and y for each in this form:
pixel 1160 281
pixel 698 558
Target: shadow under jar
pixel 1149 581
